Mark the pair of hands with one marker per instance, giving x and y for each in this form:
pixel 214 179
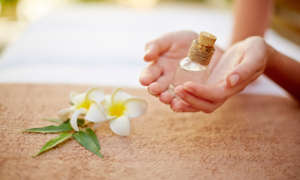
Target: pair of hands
pixel 230 71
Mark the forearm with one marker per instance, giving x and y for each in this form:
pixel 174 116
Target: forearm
pixel 284 71
pixel 251 18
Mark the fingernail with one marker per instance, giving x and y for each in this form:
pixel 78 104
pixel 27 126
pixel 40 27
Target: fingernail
pixel 234 79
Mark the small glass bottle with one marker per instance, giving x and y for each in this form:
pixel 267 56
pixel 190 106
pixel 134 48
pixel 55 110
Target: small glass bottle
pixel 194 66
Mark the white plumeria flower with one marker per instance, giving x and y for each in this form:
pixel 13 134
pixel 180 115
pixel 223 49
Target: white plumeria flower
pixel 87 104
pixel 119 108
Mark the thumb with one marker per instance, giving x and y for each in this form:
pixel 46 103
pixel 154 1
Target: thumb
pixel 248 70
pixel 252 64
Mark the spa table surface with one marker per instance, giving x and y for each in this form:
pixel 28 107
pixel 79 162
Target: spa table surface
pixel 250 137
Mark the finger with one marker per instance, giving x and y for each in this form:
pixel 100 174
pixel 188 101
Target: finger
pixel 240 87
pixel 252 63
pixel 243 73
pixel 195 102
pixel 150 74
pixel 208 93
pixel 152 52
pixel 150 92
pixel 233 80
pixel 156 47
pixel 178 105
pixel 166 97
pixel 161 84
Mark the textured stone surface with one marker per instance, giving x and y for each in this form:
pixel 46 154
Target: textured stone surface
pixel 250 137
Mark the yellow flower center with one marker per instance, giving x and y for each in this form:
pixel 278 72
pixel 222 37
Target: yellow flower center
pixel 85 104
pixel 117 109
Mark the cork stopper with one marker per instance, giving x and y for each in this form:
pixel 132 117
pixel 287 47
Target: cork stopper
pixel 207 39
pixel 202 48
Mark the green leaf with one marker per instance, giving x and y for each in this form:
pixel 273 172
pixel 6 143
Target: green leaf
pixel 54 142
pixel 63 127
pixel 93 136
pixel 87 140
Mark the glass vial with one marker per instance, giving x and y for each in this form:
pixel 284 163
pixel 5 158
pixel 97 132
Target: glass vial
pixel 194 66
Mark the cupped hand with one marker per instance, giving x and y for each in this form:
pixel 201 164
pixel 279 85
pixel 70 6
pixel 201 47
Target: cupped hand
pixel 239 65
pixel 164 53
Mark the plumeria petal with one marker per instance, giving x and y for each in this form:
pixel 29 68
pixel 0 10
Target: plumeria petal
pixel 135 107
pixel 64 114
pixel 120 96
pixel 78 99
pixel 96 114
pixel 106 103
pixel 72 96
pixel 120 126
pixel 74 118
pixel 95 95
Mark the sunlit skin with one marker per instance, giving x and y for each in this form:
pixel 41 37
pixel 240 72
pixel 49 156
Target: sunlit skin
pixel 258 58
pixel 231 71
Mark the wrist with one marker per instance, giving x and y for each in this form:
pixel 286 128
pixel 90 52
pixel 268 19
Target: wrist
pixel 271 53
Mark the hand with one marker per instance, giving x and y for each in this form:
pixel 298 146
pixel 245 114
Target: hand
pixel 165 52
pixel 240 65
